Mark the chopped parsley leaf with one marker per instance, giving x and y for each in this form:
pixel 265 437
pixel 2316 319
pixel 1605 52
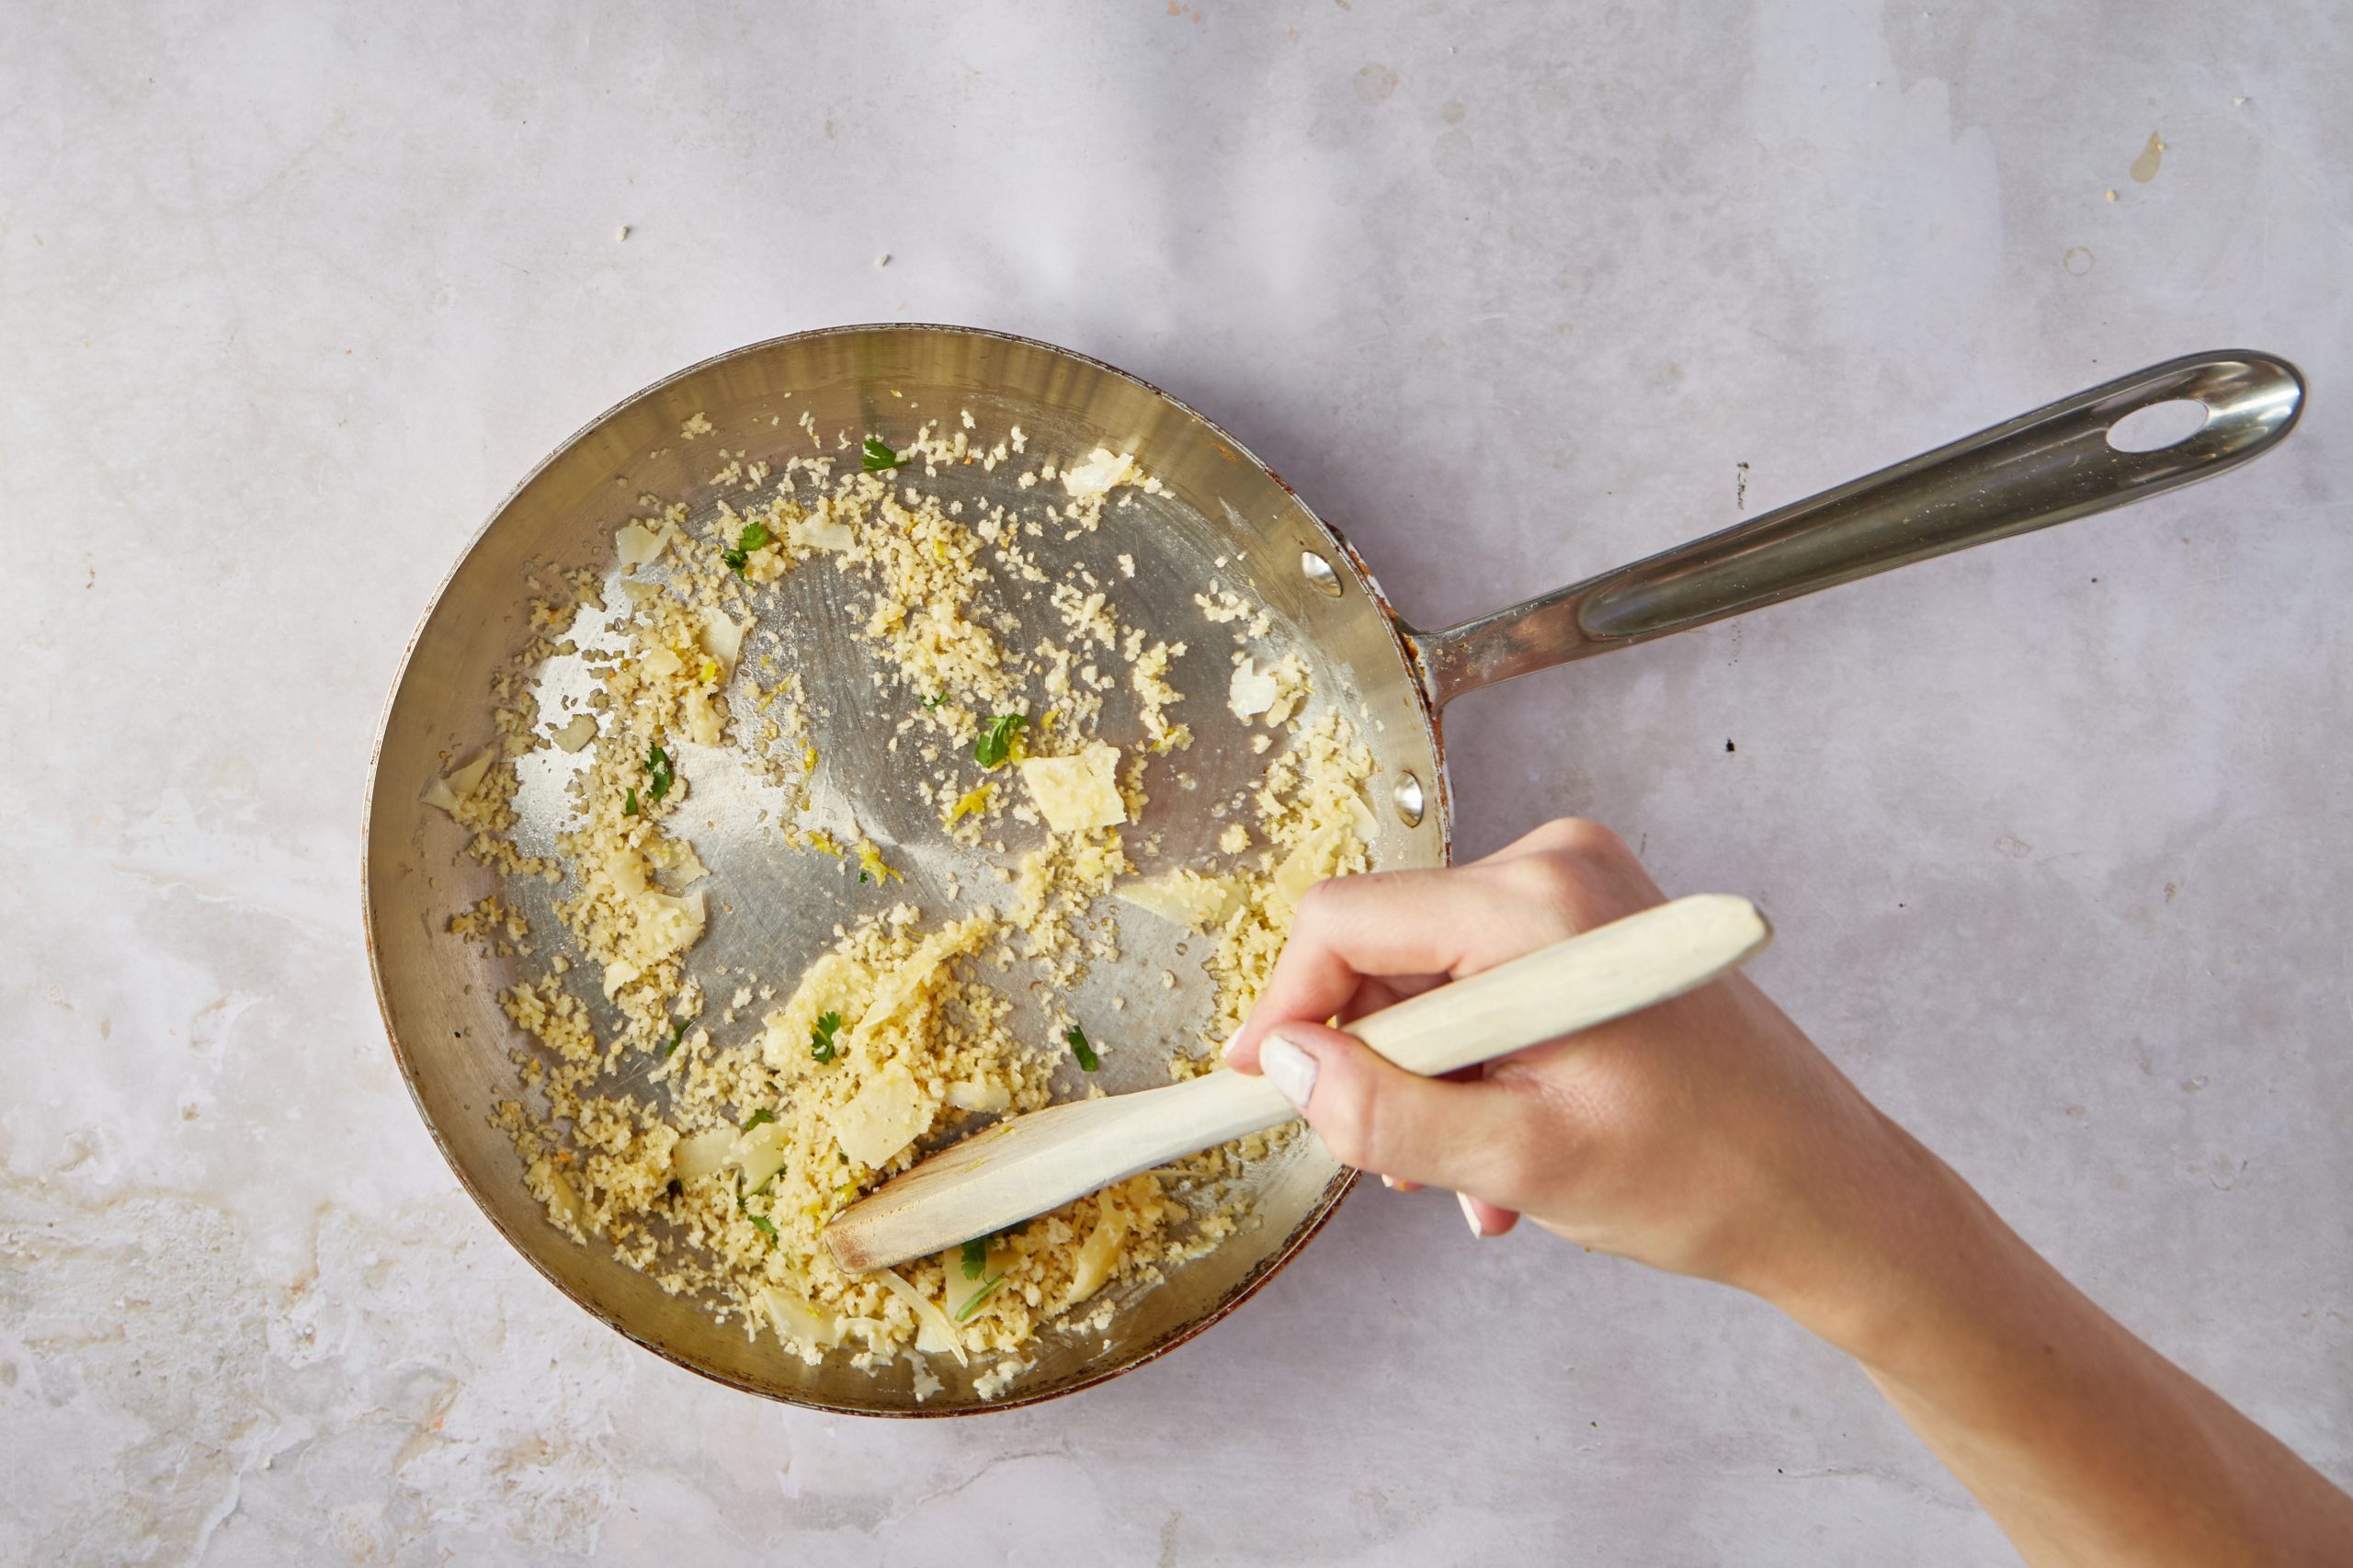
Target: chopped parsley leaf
pixel 658 769
pixel 758 1117
pixel 976 1257
pixel 997 741
pixel 878 458
pixel 934 701
pixel 754 536
pixel 676 1035
pixel 821 1039
pixel 629 801
pixel 1075 1038
pixel 763 1224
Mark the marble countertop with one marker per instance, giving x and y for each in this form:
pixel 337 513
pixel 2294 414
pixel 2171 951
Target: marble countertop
pixel 2055 832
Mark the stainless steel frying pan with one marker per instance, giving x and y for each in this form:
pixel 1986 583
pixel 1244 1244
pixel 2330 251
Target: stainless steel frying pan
pixel 1222 518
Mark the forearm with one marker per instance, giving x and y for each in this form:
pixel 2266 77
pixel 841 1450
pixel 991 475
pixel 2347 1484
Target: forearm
pixel 2087 1446
pixel 1708 1135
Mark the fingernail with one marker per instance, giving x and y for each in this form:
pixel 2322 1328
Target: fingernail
pixel 1225 1051
pixel 1388 1182
pixel 1469 1215
pixel 1290 1070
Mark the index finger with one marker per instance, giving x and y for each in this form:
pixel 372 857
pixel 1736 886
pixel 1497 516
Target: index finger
pixel 1416 928
pixel 1390 924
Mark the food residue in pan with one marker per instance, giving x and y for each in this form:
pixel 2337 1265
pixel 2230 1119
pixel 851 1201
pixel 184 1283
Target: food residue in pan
pixel 709 1141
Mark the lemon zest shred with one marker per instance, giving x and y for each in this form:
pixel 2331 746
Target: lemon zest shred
pixel 975 802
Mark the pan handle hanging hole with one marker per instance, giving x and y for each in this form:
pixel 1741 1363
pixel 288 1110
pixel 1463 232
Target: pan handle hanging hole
pixel 1319 572
pixel 1407 794
pixel 2155 426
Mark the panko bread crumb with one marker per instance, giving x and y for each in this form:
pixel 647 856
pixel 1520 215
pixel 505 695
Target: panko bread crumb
pixel 709 1148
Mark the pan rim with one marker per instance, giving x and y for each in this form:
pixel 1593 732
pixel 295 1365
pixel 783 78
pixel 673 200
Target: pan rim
pixel 1334 1191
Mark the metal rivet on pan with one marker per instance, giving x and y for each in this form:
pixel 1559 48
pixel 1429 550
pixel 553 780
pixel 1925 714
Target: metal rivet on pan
pixel 1408 796
pixel 1318 571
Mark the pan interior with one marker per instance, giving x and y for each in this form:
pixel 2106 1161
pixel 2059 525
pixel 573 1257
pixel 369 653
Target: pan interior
pixel 1220 518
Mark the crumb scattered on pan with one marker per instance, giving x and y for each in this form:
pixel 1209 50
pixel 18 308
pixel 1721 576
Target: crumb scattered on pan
pixel 708 1143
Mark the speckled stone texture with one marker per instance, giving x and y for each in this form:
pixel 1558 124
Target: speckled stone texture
pixel 2056 834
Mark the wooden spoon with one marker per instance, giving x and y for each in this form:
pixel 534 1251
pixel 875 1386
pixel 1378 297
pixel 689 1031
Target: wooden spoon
pixel 1027 1164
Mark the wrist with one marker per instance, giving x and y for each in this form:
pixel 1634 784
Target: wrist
pixel 1901 1249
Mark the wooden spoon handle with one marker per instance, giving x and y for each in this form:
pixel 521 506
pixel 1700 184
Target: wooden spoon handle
pixel 1590 979
pixel 1575 984
pixel 1034 1162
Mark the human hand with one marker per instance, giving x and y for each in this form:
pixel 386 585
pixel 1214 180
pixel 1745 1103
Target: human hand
pixel 1709 1136
pixel 1706 1135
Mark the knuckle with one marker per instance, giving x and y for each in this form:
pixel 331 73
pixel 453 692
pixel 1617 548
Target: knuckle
pixel 1585 839
pixel 1550 880
pixel 1583 875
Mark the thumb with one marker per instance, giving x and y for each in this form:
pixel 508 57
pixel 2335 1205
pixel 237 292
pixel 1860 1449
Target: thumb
pixel 1374 1115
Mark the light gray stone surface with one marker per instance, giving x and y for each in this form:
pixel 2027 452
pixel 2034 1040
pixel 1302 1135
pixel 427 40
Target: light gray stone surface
pixel 2056 834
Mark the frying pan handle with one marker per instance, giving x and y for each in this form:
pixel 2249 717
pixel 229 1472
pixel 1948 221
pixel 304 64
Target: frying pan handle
pixel 2049 466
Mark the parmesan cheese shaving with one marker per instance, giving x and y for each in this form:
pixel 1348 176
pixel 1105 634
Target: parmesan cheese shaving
pixel 1183 898
pixel 794 1319
pixel 450 792
pixel 575 734
pixel 723 638
pixel 635 544
pixel 937 1333
pixel 886 1116
pixel 821 530
pixel 1078 792
pixel 1251 692
pixel 702 1154
pixel 1101 471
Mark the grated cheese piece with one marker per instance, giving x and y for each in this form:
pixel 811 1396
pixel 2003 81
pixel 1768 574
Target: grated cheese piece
pixel 1078 792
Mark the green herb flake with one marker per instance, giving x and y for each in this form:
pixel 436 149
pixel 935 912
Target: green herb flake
pixel 997 740
pixel 979 1296
pixel 658 769
pixel 821 1039
pixel 629 801
pixel 1075 1038
pixel 976 1257
pixel 763 1224
pixel 754 536
pixel 758 1117
pixel 878 458
pixel 676 1034
pixel 934 701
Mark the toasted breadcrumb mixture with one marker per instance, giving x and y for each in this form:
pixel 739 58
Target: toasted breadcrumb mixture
pixel 709 1148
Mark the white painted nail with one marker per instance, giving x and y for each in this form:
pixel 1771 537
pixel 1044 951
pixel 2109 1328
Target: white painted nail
pixel 1388 1182
pixel 1225 1051
pixel 1469 1215
pixel 1290 1070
